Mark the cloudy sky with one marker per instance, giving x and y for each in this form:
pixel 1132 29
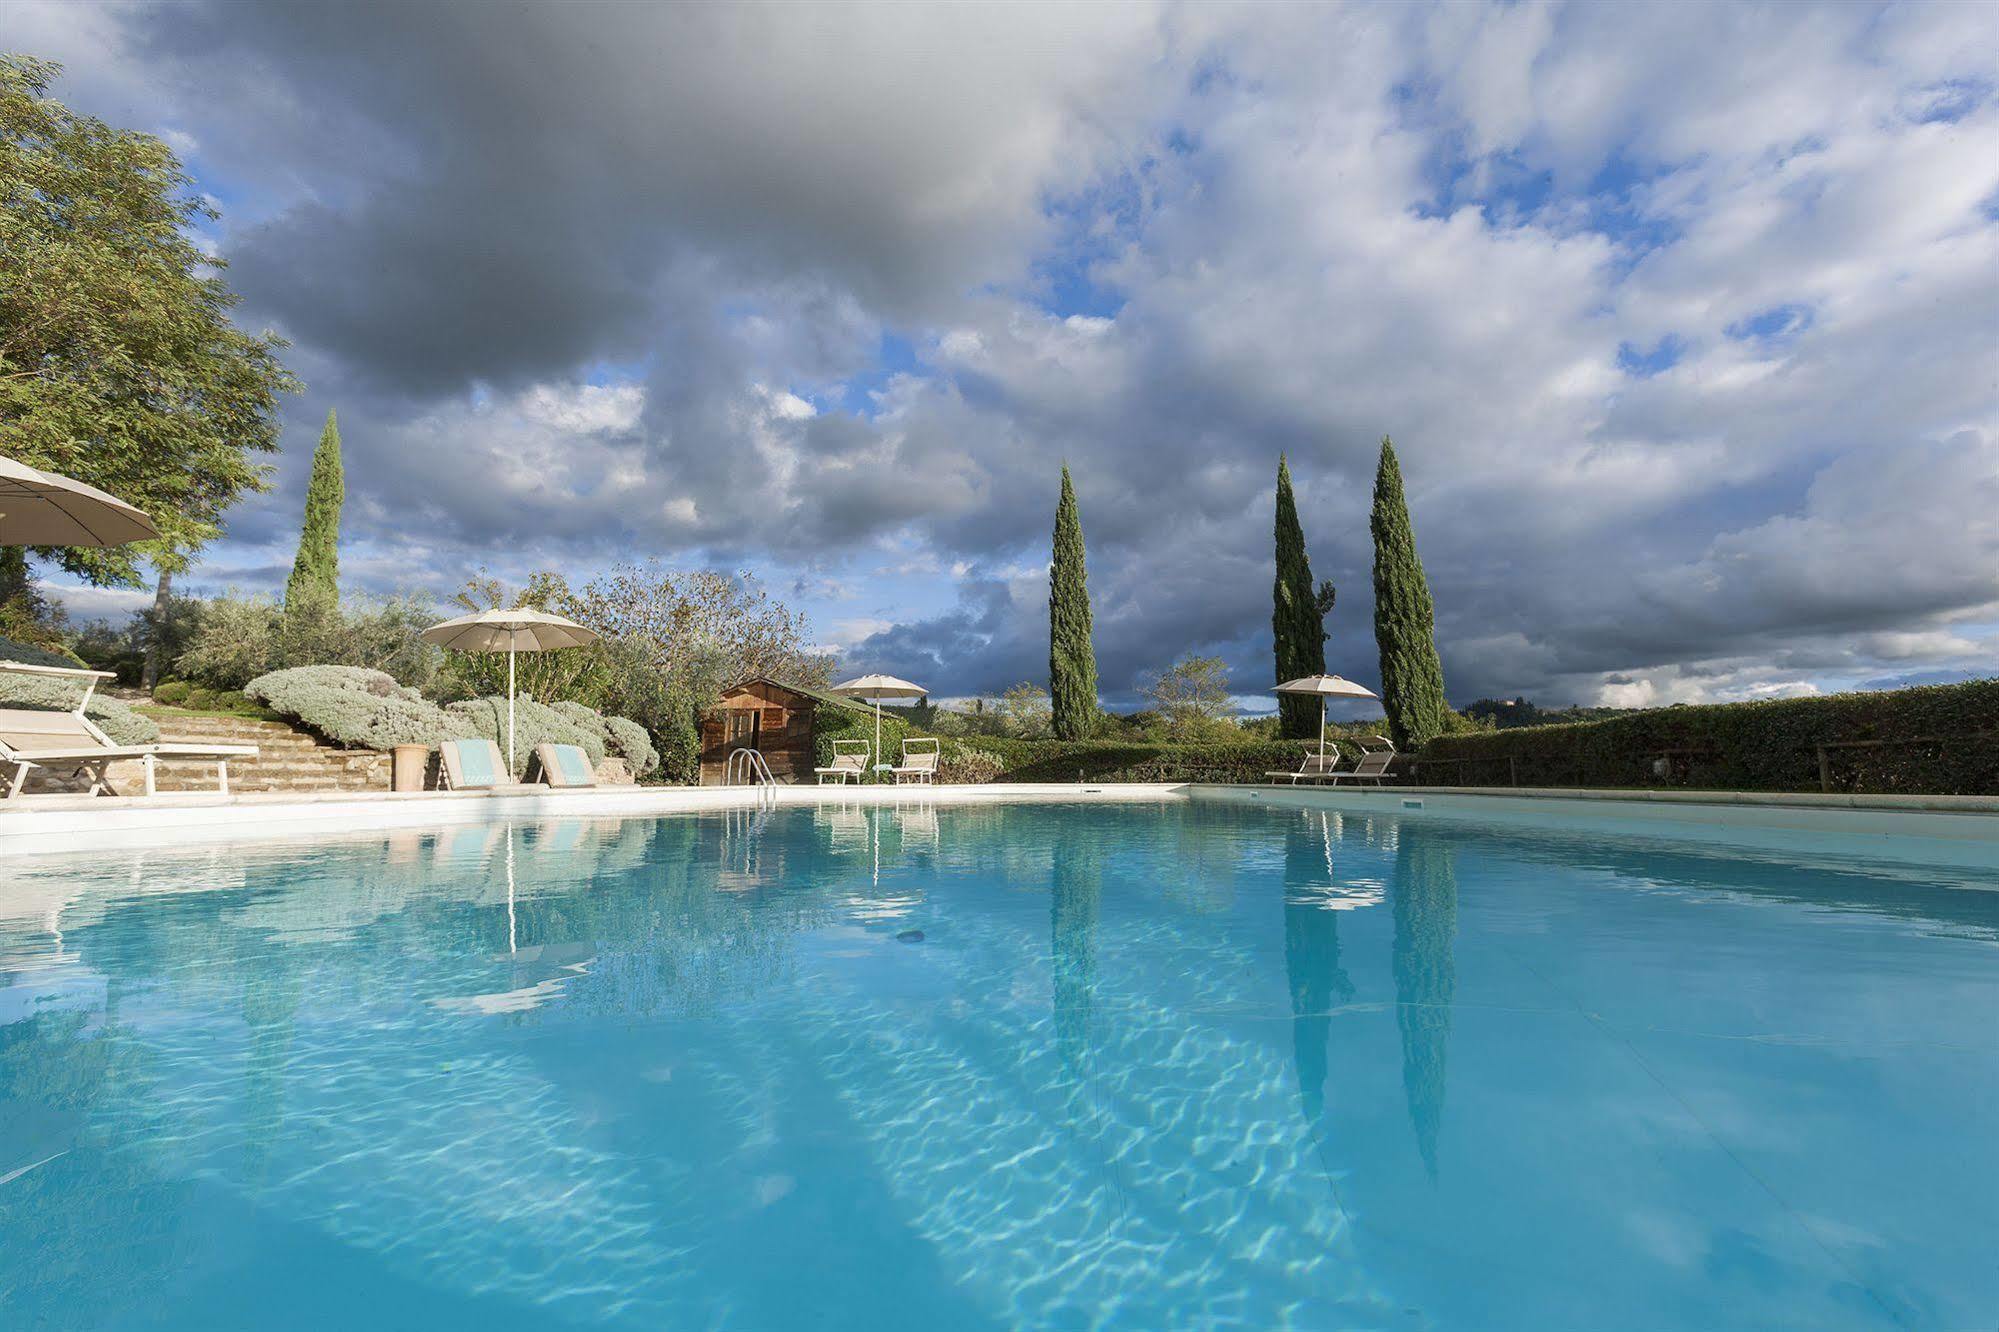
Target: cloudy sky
pixel 1685 320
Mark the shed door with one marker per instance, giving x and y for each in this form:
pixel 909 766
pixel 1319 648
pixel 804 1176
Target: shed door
pixel 745 728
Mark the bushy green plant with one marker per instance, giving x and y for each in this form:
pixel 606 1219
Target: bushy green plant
pixel 232 640
pixel 29 654
pixel 839 720
pixel 338 702
pixel 968 764
pixel 113 717
pixel 534 724
pixel 173 693
pixel 620 736
pixel 1136 761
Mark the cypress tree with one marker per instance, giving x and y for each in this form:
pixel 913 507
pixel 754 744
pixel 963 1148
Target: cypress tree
pixel 1297 617
pixel 1412 679
pixel 315 581
pixel 1072 660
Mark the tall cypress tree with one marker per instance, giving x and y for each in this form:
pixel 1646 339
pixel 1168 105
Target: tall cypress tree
pixel 1412 679
pixel 1298 613
pixel 1072 659
pixel 315 581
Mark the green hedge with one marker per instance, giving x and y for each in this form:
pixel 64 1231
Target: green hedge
pixel 1132 760
pixel 1946 743
pixel 839 719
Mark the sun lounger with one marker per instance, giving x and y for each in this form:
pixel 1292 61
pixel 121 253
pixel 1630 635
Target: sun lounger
pixel 70 745
pixel 1372 767
pixel 472 765
pixel 919 762
pixel 564 765
pixel 1315 767
pixel 850 763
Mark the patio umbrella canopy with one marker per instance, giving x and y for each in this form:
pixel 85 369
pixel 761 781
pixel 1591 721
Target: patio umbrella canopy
pixel 509 631
pixel 875 688
pixel 40 508
pixel 1325 686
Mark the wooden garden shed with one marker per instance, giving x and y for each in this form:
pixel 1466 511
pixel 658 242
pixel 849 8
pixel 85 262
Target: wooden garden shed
pixel 771 717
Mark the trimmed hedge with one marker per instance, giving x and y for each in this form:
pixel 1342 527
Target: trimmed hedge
pixel 30 655
pixel 1944 740
pixel 113 717
pixel 1124 761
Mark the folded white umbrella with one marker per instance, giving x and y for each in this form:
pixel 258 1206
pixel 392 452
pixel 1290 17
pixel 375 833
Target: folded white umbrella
pixel 40 508
pixel 1325 686
pixel 875 688
pixel 522 630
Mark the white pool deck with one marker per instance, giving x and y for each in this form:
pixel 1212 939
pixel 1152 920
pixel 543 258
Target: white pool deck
pixel 63 824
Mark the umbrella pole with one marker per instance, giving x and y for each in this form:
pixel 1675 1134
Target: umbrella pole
pixel 510 705
pixel 1322 728
pixel 878 736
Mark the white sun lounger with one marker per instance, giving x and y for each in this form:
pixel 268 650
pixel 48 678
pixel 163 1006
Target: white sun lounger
pixel 919 762
pixel 850 763
pixel 69 744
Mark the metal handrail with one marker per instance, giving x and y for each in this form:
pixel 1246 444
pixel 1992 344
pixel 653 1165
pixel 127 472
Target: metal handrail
pixel 751 766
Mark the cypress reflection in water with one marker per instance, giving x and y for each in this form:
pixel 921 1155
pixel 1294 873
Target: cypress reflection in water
pixel 1311 958
pixel 1426 924
pixel 1075 888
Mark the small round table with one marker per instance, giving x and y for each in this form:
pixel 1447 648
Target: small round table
pixel 884 771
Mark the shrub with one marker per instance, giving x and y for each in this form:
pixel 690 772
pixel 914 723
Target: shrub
pixel 232 641
pixel 534 724
pixel 30 655
pixel 963 764
pixel 114 718
pixel 173 693
pixel 342 703
pixel 1130 760
pixel 404 721
pixel 840 720
pixel 619 735
pixel 1762 746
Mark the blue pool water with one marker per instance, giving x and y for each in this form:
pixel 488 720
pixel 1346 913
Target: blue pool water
pixel 1066 1066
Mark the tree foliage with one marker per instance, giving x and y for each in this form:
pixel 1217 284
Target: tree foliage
pixel 670 642
pixel 1072 657
pixel 118 362
pixel 1412 678
pixel 1298 613
pixel 315 581
pixel 1193 701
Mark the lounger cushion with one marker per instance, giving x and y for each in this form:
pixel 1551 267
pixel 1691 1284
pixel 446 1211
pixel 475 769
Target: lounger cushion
pixel 565 765
pixel 478 763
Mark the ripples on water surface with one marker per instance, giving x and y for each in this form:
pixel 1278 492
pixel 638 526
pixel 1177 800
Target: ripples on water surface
pixel 993 1066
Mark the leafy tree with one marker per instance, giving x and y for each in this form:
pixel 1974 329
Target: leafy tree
pixel 1412 679
pixel 315 581
pixel 1072 658
pixel 118 363
pixel 1298 613
pixel 1192 698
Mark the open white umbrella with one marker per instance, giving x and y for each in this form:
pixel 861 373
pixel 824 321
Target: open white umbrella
pixel 521 630
pixel 40 508
pixel 1325 686
pixel 875 688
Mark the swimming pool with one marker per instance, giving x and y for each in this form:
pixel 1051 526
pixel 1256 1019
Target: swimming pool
pixel 1165 1064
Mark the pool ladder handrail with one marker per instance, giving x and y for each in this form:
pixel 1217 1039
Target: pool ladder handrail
pixel 748 767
